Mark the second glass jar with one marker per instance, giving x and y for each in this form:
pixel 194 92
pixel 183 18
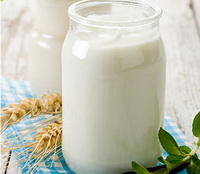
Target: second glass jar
pixel 45 45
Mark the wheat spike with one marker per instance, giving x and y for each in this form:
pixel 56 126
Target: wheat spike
pixel 49 104
pixel 48 136
pixel 52 103
pixel 15 112
pixel 46 142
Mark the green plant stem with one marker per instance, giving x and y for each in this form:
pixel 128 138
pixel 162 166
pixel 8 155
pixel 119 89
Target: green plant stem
pixel 184 160
pixel 198 142
pixel 195 148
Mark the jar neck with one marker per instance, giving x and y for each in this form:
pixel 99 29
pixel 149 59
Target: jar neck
pixel 52 18
pixel 138 32
pixel 133 16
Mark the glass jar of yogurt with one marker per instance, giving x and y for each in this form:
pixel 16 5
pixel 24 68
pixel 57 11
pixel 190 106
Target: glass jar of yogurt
pixel 113 79
pixel 45 45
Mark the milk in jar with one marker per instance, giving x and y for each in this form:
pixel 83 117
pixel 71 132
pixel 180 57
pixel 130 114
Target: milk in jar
pixel 113 88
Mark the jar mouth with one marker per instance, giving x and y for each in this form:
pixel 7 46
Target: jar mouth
pixel 114 13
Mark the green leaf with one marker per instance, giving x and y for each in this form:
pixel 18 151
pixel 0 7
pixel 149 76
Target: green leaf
pixel 195 161
pixel 168 143
pixel 196 126
pixel 139 169
pixel 185 149
pixel 194 167
pixel 174 158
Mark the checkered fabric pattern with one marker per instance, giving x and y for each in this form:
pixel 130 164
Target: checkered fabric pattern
pixel 13 91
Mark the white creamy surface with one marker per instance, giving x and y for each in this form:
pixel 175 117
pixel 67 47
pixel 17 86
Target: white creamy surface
pixel 113 96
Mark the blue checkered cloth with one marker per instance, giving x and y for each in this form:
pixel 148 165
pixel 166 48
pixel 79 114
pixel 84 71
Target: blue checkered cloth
pixel 13 91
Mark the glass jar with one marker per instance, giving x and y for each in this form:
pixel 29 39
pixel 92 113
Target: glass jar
pixel 46 44
pixel 113 66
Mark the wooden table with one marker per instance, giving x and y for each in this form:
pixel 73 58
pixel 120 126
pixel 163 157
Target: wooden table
pixel 180 28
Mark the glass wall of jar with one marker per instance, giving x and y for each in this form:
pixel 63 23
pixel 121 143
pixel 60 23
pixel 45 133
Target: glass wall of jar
pixel 113 66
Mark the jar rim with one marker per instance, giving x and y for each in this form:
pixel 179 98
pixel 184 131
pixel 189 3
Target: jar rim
pixel 143 4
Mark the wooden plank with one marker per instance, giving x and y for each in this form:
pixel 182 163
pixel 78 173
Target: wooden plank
pixel 14 169
pixel 6 160
pixel 3 161
pixel 17 21
pixel 182 43
pixel 195 6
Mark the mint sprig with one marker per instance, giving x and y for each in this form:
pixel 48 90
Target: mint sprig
pixel 179 157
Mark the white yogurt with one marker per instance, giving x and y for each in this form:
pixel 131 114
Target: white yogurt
pixel 113 97
pixel 113 80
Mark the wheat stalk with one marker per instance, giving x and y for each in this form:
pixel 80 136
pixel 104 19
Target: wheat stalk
pixel 39 140
pixel 46 142
pixel 13 113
